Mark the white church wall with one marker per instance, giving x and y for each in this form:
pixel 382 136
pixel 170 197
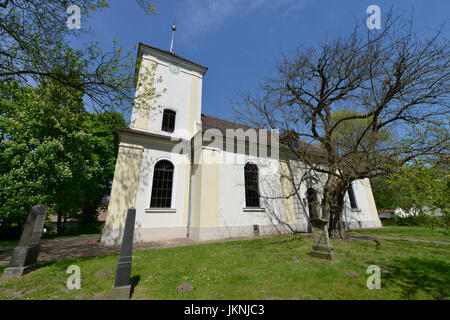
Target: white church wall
pixel 180 92
pixel 237 220
pixel 161 224
pixel 361 217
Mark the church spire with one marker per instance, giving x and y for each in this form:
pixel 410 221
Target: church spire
pixel 174 28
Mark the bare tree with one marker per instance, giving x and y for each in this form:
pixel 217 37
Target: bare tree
pixel 372 100
pixel 35 45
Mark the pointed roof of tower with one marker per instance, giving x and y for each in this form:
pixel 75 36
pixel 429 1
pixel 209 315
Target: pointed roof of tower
pixel 143 46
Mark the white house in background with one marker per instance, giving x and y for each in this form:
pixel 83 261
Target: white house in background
pixel 177 197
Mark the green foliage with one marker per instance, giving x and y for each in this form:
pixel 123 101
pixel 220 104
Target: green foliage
pixel 52 152
pixel 78 229
pixel 423 183
pixel 35 44
pixel 424 220
pixel 348 133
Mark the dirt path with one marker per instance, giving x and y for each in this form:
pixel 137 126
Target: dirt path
pixel 90 246
pixel 373 237
pixel 86 247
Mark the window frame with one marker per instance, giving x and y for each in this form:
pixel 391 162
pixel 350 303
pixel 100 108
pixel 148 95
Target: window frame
pixel 246 205
pixel 172 193
pixel 172 113
pixel 352 197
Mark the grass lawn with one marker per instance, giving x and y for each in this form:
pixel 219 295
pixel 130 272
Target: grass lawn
pixel 270 268
pixel 424 233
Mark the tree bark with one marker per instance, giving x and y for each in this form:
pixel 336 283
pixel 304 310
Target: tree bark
pixel 59 223
pixel 333 205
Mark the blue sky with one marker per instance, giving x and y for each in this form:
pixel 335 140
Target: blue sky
pixel 241 40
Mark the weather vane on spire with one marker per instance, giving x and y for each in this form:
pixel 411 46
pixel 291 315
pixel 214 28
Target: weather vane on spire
pixel 174 28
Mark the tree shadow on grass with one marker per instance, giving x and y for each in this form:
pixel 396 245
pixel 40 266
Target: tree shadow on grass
pixel 413 275
pixel 276 241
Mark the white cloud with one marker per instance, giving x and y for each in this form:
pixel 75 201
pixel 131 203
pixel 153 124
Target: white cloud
pixel 199 17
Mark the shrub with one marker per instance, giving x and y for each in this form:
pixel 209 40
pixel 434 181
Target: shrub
pixel 424 220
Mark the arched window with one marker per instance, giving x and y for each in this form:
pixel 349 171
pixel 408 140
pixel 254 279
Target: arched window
pixel 162 185
pixel 251 186
pixel 168 123
pixel 351 196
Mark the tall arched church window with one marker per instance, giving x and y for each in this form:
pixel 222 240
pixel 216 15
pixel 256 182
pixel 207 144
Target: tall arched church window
pixel 162 185
pixel 251 186
pixel 351 196
pixel 168 123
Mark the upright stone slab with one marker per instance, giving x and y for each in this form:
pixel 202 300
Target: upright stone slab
pixel 122 284
pixel 322 247
pixel 24 257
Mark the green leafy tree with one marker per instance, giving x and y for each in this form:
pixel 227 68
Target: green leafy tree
pixel 347 134
pixel 102 127
pixel 52 152
pixel 35 44
pixel 422 183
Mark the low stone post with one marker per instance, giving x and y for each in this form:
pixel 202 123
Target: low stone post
pixel 25 255
pixel 322 247
pixel 122 284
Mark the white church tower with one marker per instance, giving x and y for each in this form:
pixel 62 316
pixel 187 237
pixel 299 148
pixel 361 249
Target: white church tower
pixel 177 112
pixel 148 143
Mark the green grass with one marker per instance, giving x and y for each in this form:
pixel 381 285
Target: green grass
pixel 270 268
pixel 15 242
pixel 424 233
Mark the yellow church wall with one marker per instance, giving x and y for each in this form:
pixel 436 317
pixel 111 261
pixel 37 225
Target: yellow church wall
pixel 125 184
pixel 186 194
pixel 370 199
pixel 286 188
pixel 194 104
pixel 205 206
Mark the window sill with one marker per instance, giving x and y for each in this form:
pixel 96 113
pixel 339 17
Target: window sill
pixel 355 210
pixel 160 210
pixel 256 210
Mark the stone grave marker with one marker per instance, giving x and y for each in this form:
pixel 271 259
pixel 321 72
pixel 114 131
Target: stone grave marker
pixel 24 256
pixel 322 247
pixel 122 284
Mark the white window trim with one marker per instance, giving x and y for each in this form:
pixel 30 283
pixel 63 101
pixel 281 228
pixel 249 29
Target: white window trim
pixel 262 207
pixel 254 210
pixel 174 189
pixel 160 210
pixel 175 122
pixel 358 208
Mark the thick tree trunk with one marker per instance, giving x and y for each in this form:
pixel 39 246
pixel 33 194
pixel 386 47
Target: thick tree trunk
pixel 333 205
pixel 59 224
pixel 89 213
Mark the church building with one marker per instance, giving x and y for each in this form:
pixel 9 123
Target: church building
pixel 173 166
